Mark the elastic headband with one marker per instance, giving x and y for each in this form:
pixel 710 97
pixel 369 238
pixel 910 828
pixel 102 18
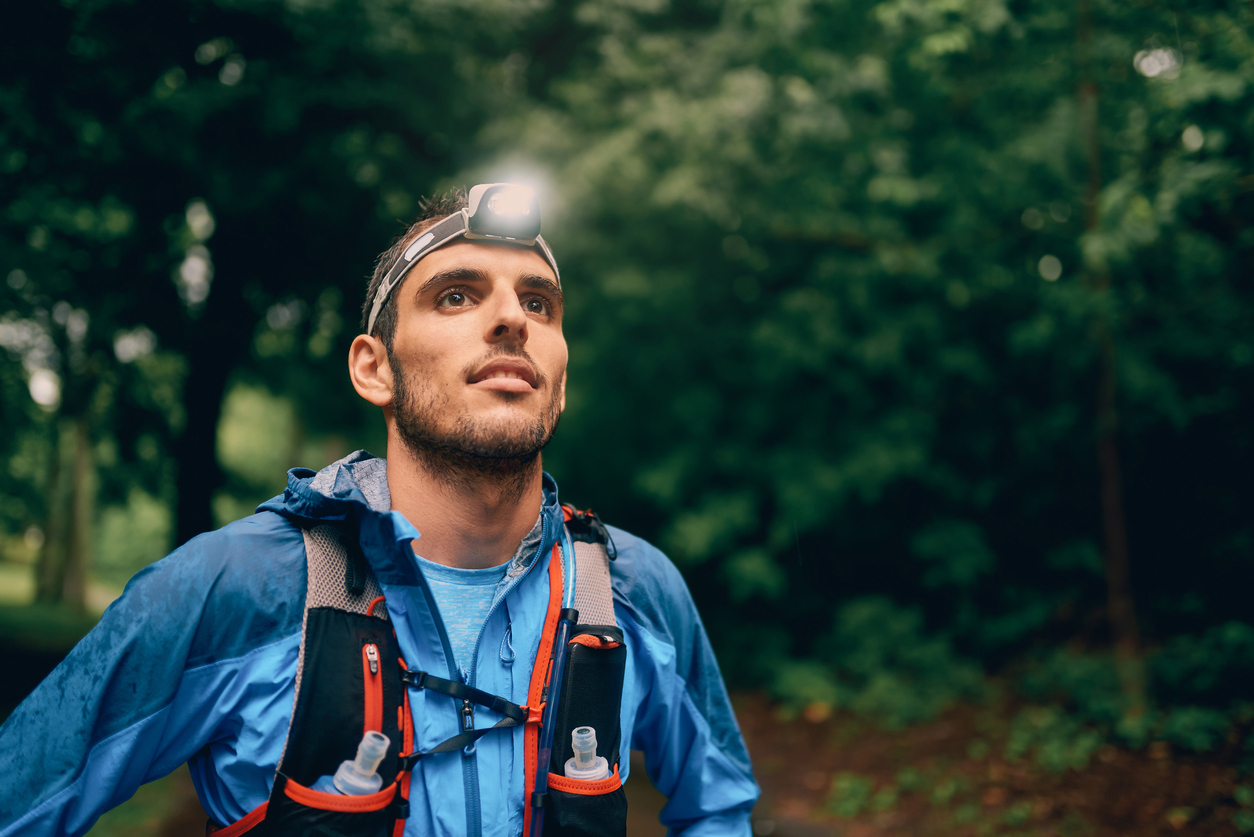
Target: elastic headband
pixel 503 212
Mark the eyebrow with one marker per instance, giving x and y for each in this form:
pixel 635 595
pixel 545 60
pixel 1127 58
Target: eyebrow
pixel 532 281
pixel 541 283
pixel 456 274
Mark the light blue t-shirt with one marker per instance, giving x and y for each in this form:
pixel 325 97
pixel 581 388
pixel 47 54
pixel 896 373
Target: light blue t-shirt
pixel 464 598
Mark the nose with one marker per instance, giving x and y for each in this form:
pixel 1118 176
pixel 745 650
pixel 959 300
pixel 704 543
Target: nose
pixel 507 320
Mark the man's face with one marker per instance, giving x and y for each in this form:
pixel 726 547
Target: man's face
pixel 478 358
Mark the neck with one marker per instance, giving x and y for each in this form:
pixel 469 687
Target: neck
pixel 471 513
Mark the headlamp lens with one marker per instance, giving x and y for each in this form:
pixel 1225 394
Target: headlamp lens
pixel 503 211
pixel 515 200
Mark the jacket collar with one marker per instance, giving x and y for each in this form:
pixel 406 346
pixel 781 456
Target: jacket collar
pixel 353 493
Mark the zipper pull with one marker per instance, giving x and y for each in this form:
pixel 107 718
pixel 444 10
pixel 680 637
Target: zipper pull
pixel 468 715
pixel 372 657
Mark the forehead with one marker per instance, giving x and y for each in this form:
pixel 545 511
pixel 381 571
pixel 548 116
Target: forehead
pixel 507 261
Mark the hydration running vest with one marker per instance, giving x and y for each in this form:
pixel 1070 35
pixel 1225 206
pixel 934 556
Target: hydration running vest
pixel 346 631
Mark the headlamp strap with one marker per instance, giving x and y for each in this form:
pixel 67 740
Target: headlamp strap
pixel 439 235
pixel 433 239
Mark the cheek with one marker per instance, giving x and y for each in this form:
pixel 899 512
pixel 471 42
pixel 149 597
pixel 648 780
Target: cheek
pixel 427 354
pixel 554 359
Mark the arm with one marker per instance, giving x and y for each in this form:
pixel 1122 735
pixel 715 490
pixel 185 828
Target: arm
pixel 684 722
pixel 142 692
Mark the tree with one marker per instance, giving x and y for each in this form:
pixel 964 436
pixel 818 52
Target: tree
pixel 184 171
pixel 826 267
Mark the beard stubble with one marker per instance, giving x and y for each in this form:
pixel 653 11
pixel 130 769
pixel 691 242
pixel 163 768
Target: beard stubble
pixel 464 451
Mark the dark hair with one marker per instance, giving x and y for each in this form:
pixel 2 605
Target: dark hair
pixel 433 210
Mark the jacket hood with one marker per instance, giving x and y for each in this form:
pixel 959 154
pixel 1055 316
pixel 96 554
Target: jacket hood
pixel 354 490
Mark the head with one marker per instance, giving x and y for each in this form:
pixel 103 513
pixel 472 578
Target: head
pixel 466 357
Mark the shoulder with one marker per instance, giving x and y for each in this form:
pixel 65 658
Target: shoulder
pixel 654 596
pixel 651 588
pixel 213 601
pixel 640 567
pixel 234 589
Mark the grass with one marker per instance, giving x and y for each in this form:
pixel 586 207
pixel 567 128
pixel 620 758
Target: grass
pixel 44 627
pixel 17 583
pixel 148 812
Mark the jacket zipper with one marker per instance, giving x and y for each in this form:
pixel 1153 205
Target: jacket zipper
pixel 374 687
pixel 470 775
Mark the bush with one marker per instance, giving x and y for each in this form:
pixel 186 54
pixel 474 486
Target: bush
pixel 878 661
pixel 1215 669
pixel 1058 741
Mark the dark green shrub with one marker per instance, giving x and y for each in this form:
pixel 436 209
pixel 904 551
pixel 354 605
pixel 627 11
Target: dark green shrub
pixel 879 660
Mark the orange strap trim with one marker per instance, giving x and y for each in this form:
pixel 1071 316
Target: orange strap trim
pixel 374 689
pixel 585 788
pixel 540 675
pixel 405 720
pixel 373 602
pixel 399 829
pixel 243 824
pixel 340 802
pixel 593 641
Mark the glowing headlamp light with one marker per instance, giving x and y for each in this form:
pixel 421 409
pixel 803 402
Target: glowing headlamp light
pixel 504 212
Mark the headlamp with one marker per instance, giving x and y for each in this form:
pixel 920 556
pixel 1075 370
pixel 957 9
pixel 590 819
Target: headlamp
pixel 504 212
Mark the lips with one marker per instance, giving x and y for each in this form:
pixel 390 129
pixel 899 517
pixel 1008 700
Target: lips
pixel 505 373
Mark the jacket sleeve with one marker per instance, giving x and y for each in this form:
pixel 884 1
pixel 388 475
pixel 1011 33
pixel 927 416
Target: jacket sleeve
pixel 150 685
pixel 684 722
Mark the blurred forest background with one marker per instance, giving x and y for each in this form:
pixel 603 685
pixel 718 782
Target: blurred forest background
pixel 919 333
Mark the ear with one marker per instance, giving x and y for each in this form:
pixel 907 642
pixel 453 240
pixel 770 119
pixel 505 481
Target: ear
pixel 370 371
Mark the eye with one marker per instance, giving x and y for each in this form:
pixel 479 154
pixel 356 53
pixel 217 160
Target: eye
pixel 537 305
pixel 453 299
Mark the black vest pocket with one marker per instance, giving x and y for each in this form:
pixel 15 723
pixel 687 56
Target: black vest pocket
pixel 591 696
pixel 297 810
pixel 590 812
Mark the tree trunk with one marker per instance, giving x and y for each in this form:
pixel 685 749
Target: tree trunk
pixel 82 506
pixel 1121 610
pixel 216 342
pixel 199 474
pixel 50 568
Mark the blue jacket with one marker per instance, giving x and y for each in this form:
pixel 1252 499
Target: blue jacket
pixel 196 663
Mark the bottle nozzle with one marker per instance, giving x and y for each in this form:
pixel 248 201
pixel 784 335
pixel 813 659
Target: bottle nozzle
pixel 371 750
pixel 586 764
pixel 583 740
pixel 360 776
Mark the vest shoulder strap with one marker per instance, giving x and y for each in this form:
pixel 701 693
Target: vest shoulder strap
pixel 337 578
pixel 333 573
pixel 594 592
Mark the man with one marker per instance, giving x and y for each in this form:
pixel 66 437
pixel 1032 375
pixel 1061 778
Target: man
pixel 198 660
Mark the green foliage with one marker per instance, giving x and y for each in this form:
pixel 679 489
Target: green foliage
pixel 1198 682
pixel 832 272
pixel 849 795
pixel 851 255
pixel 131 537
pixel 54 629
pixel 1244 818
pixel 878 660
pixel 1056 740
pixel 145 813
pixel 1215 667
pixel 1195 727
pixel 954 552
pixel 946 789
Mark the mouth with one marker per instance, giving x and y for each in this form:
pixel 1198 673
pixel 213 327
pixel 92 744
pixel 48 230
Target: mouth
pixel 505 375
